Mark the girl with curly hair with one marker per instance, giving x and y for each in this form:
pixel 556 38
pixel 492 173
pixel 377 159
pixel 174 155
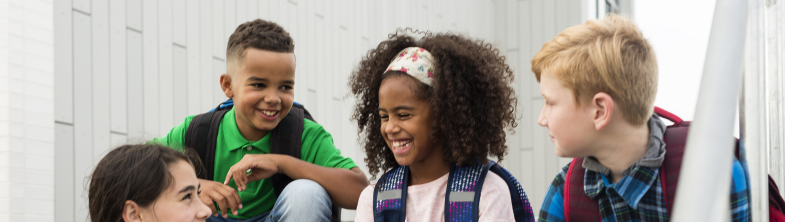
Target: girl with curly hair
pixel 444 101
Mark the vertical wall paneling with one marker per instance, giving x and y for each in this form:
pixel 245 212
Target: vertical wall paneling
pixel 82 6
pixel 64 173
pixel 165 79
pixel 525 77
pixel 252 10
pixel 100 79
pixel 64 101
pixel 230 23
pixel 209 80
pixel 193 50
pixel 219 66
pixel 150 68
pixel 117 67
pixel 179 28
pixel 133 14
pixel 83 117
pixel 541 171
pixel 180 80
pixel 241 12
pixel 135 84
pixel 63 51
pixel 217 19
pixel 537 38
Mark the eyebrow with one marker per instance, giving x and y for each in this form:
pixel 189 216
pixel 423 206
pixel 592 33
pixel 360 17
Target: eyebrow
pixel 188 189
pixel 257 79
pixel 398 108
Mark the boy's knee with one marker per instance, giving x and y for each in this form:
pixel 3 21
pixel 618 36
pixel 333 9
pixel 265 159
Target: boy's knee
pixel 305 187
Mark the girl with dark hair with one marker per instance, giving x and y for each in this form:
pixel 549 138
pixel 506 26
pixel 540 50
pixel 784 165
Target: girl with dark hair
pixel 145 183
pixel 442 101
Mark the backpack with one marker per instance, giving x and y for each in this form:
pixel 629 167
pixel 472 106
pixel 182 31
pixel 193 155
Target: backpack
pixel 285 138
pixel 578 205
pixel 462 199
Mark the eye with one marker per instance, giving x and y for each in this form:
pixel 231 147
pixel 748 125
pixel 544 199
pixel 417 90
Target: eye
pixel 258 85
pixel 403 115
pixel 384 116
pixel 287 87
pixel 187 197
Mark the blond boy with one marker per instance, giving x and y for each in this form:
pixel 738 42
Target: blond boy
pixel 599 80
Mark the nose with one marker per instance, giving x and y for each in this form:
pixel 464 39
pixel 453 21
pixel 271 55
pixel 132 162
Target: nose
pixel 390 127
pixel 202 211
pixel 272 98
pixel 542 120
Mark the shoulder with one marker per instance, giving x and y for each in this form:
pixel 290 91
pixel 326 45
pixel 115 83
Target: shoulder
pixel 365 205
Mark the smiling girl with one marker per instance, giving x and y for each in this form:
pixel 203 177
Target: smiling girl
pixel 430 105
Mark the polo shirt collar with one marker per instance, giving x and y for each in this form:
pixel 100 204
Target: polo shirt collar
pixel 234 139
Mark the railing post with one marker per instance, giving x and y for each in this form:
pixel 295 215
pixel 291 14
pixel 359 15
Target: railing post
pixel 704 184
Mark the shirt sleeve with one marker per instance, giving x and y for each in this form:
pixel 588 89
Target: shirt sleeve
pixel 739 201
pixel 364 211
pixel 552 209
pixel 176 136
pixel 495 200
pixel 318 148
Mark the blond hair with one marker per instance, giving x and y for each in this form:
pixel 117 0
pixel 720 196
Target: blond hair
pixel 609 56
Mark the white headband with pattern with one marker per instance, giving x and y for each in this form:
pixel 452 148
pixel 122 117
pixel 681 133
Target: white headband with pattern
pixel 414 61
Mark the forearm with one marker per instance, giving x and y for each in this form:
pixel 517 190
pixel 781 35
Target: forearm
pixel 344 186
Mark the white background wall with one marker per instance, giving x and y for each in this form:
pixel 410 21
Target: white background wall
pixel 26 111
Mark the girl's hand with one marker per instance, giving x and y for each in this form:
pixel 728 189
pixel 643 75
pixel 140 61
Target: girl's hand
pixel 262 166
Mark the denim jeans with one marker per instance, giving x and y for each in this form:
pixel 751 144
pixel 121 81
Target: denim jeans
pixel 301 200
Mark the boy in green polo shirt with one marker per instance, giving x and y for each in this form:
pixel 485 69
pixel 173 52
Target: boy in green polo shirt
pixel 260 80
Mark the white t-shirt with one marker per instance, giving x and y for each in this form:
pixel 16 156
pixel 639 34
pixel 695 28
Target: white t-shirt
pixel 425 202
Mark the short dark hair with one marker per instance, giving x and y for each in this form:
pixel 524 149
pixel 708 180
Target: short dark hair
pixel 258 34
pixel 130 172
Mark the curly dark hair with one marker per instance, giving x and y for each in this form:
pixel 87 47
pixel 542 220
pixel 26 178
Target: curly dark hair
pixel 258 34
pixel 470 97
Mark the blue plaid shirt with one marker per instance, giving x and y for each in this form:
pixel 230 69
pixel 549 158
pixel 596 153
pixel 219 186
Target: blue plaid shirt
pixel 637 197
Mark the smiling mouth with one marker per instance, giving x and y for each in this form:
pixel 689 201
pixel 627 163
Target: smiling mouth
pixel 399 145
pixel 269 113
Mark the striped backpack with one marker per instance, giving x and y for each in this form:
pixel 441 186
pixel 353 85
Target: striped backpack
pixel 462 199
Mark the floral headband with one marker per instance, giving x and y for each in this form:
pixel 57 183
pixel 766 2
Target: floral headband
pixel 414 61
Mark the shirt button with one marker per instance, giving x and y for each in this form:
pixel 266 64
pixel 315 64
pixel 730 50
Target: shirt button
pixel 248 148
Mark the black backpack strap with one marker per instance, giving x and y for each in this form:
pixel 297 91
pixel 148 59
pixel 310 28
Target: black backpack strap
pixel 389 196
pixel 286 138
pixel 201 136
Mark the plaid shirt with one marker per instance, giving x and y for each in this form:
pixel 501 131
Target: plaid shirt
pixel 637 197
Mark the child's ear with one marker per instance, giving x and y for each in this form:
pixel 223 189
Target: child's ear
pixel 602 110
pixel 226 85
pixel 131 212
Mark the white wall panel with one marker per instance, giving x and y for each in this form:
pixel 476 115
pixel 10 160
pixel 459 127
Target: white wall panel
pixel 134 14
pixel 219 66
pixel 194 48
pixel 178 15
pixel 241 11
pixel 135 84
pixel 100 79
pixel 180 76
pixel 63 51
pixel 217 18
pixel 83 126
pixel 525 76
pixel 117 67
pixel 150 67
pixel 64 173
pixel 209 80
pixel 82 5
pixel 165 84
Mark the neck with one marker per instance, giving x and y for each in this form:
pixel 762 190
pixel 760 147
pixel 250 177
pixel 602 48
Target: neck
pixel 250 133
pixel 625 145
pixel 428 169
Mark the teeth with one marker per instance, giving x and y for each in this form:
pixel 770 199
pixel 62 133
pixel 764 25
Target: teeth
pixel 269 113
pixel 399 145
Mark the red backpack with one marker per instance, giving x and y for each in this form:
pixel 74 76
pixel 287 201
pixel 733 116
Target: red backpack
pixel 578 205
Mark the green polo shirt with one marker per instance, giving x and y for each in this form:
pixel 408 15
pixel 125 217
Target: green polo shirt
pixel 231 146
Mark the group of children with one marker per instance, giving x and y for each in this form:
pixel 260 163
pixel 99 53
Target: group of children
pixel 431 112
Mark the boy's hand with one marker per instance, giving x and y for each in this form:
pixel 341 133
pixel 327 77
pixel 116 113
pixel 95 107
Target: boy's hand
pixel 227 198
pixel 262 166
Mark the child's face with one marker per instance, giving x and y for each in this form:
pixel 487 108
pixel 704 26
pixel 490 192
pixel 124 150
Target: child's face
pixel 570 126
pixel 406 122
pixel 179 202
pixel 262 87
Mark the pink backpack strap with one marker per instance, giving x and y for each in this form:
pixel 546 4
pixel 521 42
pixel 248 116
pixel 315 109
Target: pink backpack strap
pixel 576 203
